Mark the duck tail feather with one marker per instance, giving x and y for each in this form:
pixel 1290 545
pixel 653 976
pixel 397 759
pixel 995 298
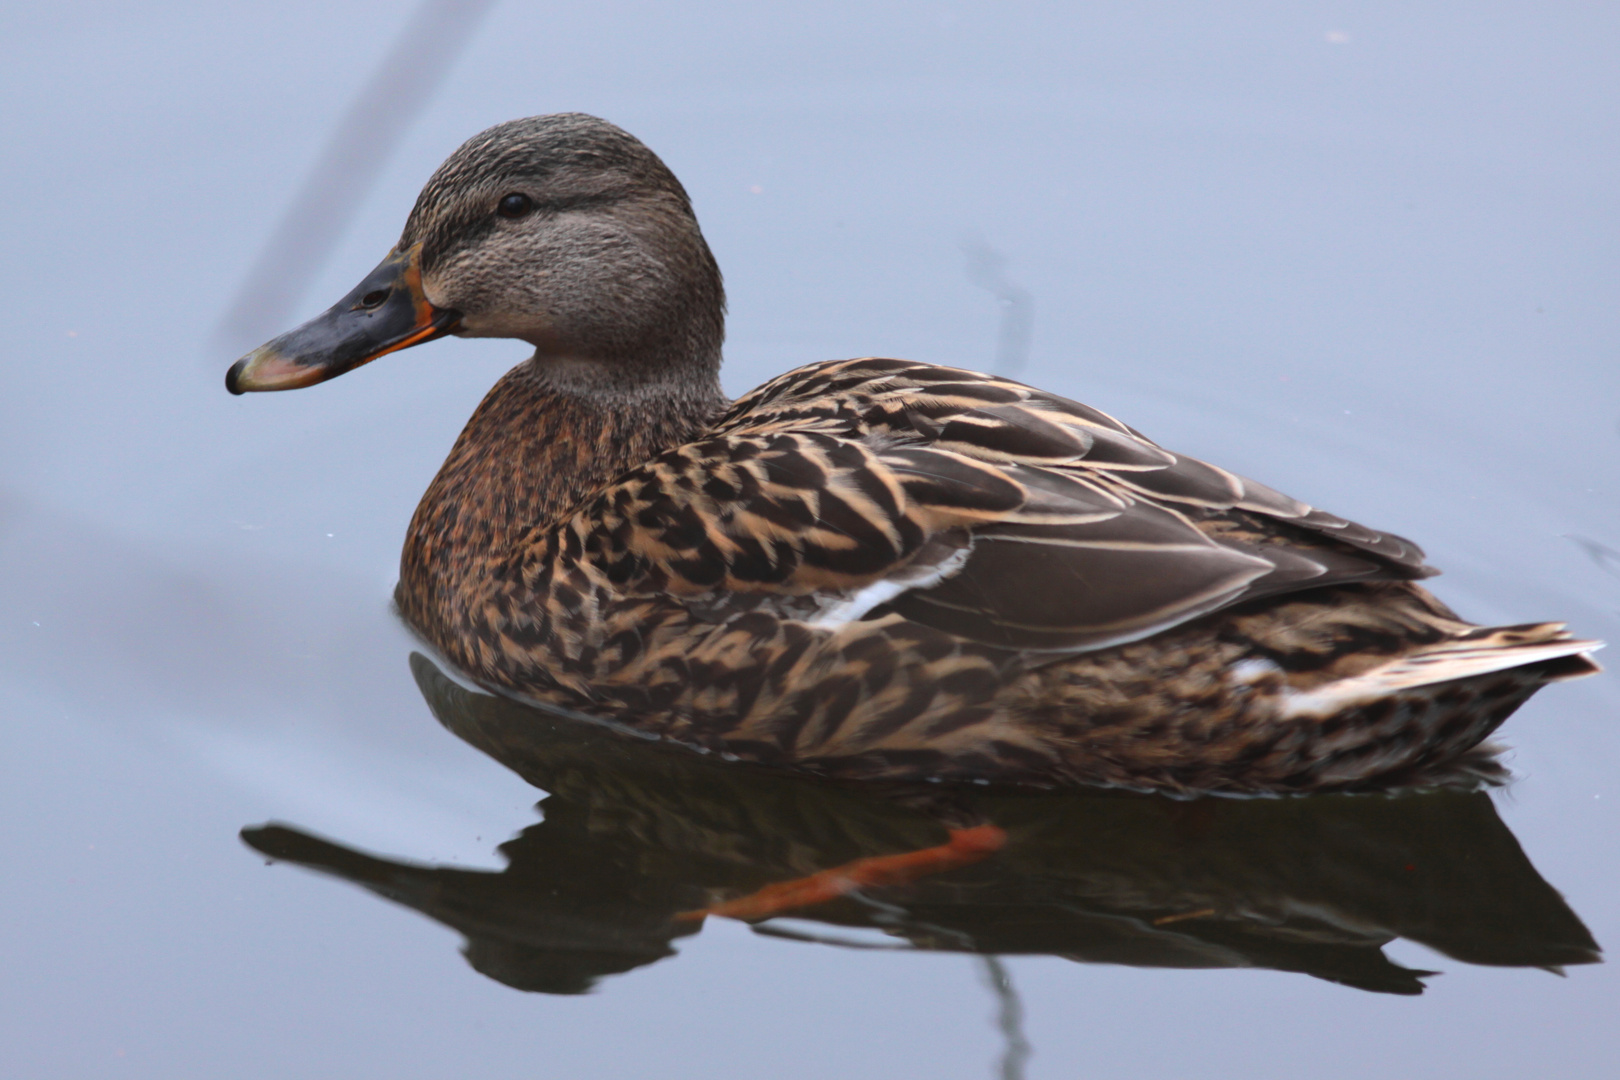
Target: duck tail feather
pixel 1545 650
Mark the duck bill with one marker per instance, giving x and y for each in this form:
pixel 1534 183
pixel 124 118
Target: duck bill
pixel 386 312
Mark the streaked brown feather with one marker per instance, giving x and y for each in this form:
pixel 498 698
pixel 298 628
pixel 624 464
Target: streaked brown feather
pixel 822 481
pixel 1110 589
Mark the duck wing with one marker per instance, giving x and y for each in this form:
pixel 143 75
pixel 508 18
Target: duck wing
pixel 976 505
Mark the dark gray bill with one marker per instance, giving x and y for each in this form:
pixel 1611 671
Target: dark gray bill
pixel 384 313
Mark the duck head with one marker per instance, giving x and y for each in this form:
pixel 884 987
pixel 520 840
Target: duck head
pixel 563 231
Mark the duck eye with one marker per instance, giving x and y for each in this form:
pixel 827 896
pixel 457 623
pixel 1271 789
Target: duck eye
pixel 373 298
pixel 514 205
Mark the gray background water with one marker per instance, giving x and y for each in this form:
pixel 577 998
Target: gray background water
pixel 1366 253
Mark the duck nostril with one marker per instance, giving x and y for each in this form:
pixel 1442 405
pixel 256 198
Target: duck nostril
pixel 374 298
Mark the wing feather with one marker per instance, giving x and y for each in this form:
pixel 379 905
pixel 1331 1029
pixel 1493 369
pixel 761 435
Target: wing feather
pixel 1008 516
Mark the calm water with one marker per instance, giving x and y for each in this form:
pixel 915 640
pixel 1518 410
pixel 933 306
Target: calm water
pixel 1366 255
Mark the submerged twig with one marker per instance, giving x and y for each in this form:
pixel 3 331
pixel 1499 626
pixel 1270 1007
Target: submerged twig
pixel 986 268
pixel 1009 1018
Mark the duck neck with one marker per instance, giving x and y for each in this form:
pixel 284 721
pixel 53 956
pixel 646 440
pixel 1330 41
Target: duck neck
pixel 547 435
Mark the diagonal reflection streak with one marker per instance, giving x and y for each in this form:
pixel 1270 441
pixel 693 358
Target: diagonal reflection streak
pixel 986 268
pixel 1009 1017
pixel 378 118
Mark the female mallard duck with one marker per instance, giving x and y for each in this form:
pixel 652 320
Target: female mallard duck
pixel 871 568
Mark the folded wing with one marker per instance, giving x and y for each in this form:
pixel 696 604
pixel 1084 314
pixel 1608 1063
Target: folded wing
pixel 976 505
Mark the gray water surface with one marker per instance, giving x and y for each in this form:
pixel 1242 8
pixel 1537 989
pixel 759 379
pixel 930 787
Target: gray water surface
pixel 1366 254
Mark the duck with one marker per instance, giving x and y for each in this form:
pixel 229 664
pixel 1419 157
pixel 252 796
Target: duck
pixel 871 569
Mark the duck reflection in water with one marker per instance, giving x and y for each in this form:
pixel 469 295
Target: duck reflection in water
pixel 638 834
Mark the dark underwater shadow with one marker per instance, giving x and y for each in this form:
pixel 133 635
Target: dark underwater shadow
pixel 635 832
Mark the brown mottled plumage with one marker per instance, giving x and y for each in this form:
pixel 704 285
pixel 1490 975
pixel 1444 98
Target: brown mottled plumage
pixel 876 568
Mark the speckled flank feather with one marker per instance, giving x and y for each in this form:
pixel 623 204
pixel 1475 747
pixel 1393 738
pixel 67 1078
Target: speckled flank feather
pixel 874 567
pixel 1108 597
